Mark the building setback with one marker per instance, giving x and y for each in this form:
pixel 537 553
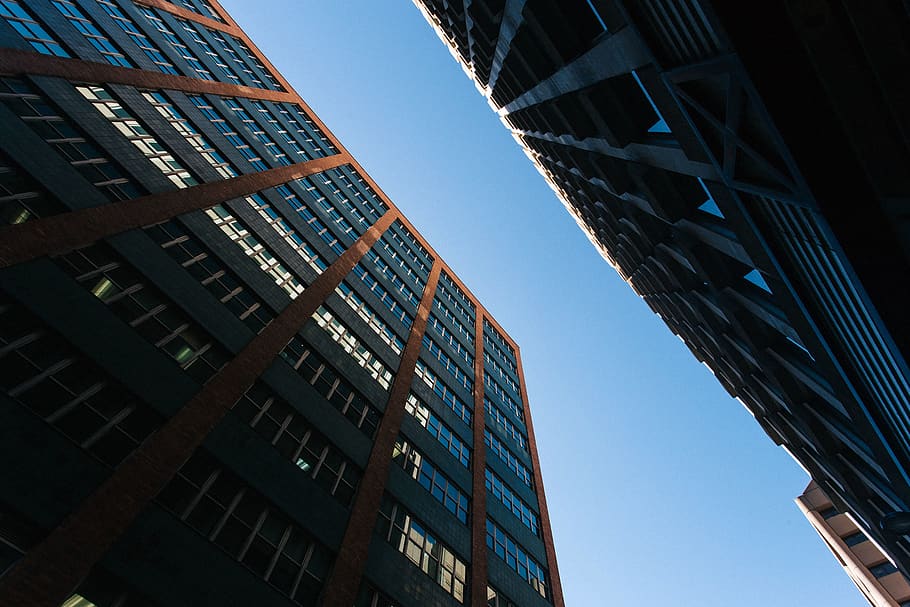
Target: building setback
pixel 875 576
pixel 233 373
pixel 744 168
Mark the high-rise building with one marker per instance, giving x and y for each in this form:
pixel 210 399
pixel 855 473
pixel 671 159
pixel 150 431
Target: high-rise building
pixel 744 167
pixel 869 568
pixel 233 373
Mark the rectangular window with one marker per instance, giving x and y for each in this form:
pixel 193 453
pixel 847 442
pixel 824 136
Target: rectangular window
pixel 450 338
pixel 313 137
pixel 517 558
pixel 267 117
pixel 443 311
pixel 29 28
pixel 155 317
pixel 287 232
pixel 252 531
pixel 254 129
pixel 86 27
pixel 196 36
pixel 413 539
pixel 369 316
pixel 448 363
pixel 383 295
pixel 513 407
pixel 68 140
pixel 292 435
pixel 47 375
pixel 335 388
pixel 508 429
pixel 417 466
pixel 307 214
pixel 102 100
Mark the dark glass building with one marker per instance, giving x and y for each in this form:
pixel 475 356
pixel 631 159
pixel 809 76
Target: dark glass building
pixel 744 167
pixel 232 372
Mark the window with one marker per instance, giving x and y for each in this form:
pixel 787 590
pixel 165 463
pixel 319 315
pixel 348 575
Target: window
pixel 120 287
pixel 501 491
pixel 503 453
pixel 87 28
pixel 335 217
pixel 137 134
pixel 346 338
pixel 498 599
pixel 456 296
pixel 43 372
pixel 514 408
pixel 228 513
pixel 254 60
pixel 438 429
pixel 307 448
pixel 254 249
pixel 370 597
pixel 437 484
pixel 328 382
pixel 386 270
pixel 450 338
pixel 21 197
pixel 504 377
pixel 441 309
pixel 420 546
pixel 29 28
pixel 267 117
pixel 221 282
pixel 383 295
pixel 192 136
pixel 411 247
pixel 142 41
pixel 517 558
pixel 68 140
pixel 312 135
pixel 855 538
pixel 882 569
pixel 196 36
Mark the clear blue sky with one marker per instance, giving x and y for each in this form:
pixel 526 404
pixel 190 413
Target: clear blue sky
pixel 662 489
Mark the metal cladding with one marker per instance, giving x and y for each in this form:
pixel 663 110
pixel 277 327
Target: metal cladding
pixel 744 169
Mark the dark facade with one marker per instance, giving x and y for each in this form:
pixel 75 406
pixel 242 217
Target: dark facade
pixel 744 167
pixel 233 373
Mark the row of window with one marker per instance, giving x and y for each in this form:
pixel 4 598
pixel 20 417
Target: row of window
pixel 134 132
pixel 406 265
pixel 71 142
pixel 287 232
pixel 212 273
pixel 253 128
pixel 501 491
pixel 497 599
pixel 352 344
pixel 513 407
pixel 43 372
pixel 446 293
pixel 462 410
pixel 448 364
pixel 502 452
pixel 453 292
pixel 375 322
pixel 30 29
pixel 338 218
pixel 491 335
pixel 517 558
pixel 448 337
pixel 463 330
pixel 85 26
pixel 334 387
pixel 438 429
pixel 291 434
pixel 104 274
pixel 505 377
pixel 408 243
pixel 262 255
pixel 21 197
pixel 431 478
pixel 239 520
pixel 309 216
pixel 497 417
pixel 409 297
pixel 206 10
pixel 413 539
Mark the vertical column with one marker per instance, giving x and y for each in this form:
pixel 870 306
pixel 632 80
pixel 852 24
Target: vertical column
pixel 344 581
pixel 52 570
pixel 479 488
pixel 555 584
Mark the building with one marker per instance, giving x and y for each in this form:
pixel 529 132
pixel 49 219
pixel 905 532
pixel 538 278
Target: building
pixel 233 372
pixel 744 168
pixel 875 576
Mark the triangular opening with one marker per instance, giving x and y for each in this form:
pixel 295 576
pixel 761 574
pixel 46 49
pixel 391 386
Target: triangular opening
pixel 756 278
pixel 709 206
pixel 659 127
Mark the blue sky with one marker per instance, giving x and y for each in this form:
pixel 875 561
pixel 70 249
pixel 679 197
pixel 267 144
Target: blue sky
pixel 662 489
